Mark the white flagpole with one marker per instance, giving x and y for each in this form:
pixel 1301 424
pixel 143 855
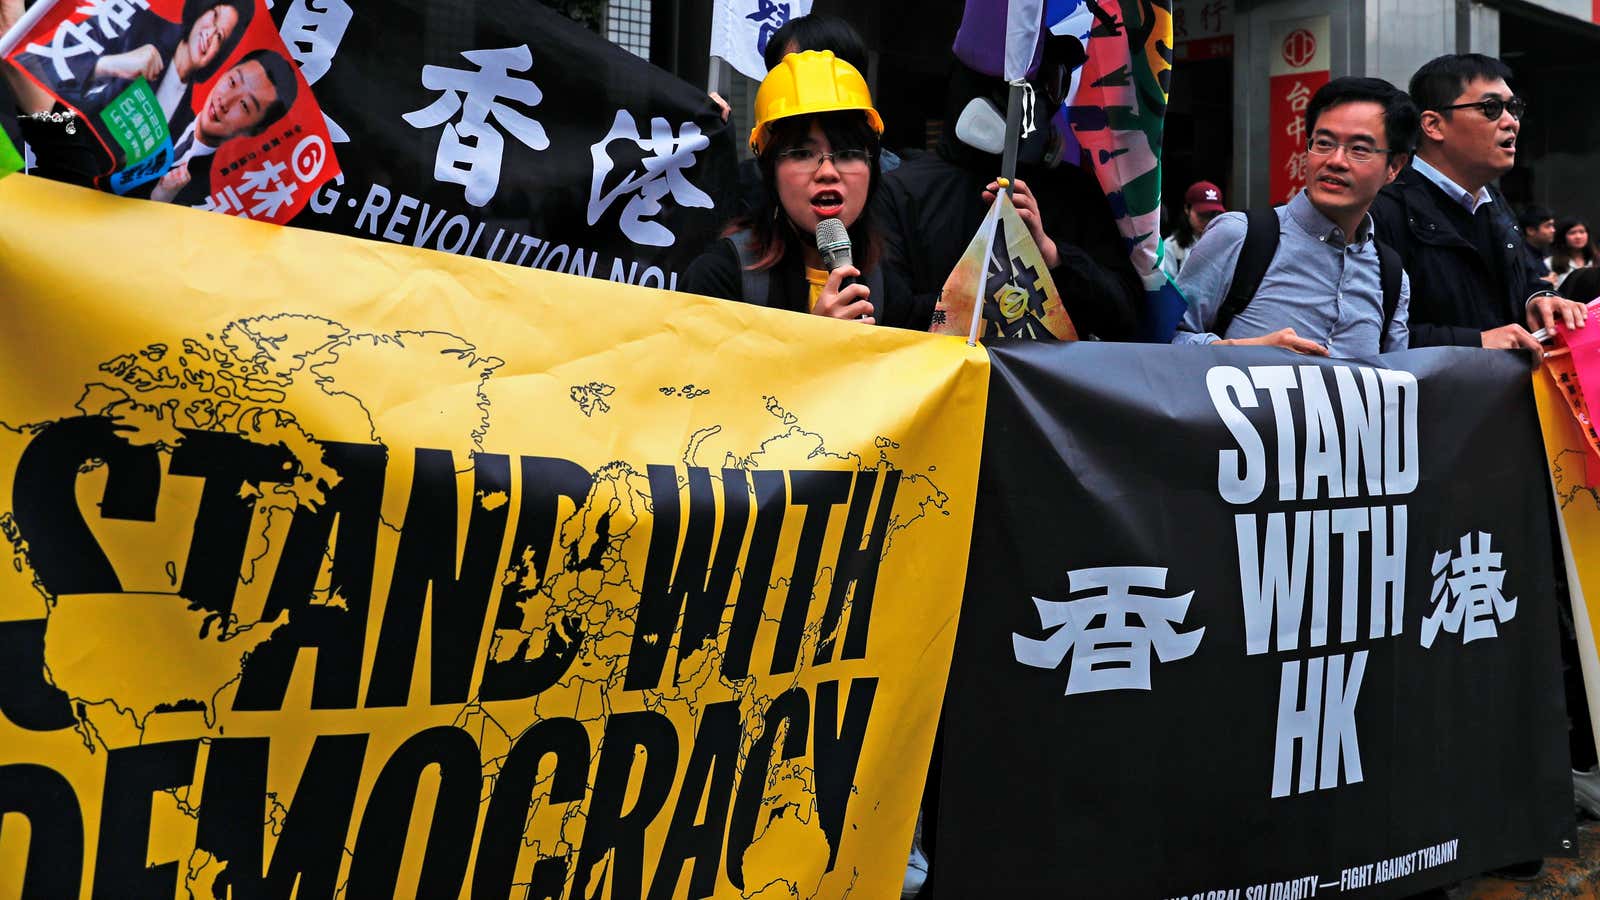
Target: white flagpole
pixel 714 78
pixel 24 25
pixel 988 226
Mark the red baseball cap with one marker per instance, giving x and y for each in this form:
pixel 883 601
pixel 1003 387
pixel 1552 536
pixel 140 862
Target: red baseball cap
pixel 1203 196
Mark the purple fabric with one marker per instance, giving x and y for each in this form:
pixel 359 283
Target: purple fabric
pixel 981 39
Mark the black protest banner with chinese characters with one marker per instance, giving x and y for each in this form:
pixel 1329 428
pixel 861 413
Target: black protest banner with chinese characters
pixel 1253 625
pixel 508 132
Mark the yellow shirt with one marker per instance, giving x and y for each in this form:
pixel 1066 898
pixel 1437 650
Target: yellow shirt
pixel 818 279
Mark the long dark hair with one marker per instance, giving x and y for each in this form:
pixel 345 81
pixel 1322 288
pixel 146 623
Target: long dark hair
pixel 194 9
pixel 1561 255
pixel 1183 231
pixel 1582 285
pixel 771 232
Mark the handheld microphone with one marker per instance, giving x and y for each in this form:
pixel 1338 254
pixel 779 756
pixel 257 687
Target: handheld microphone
pixel 833 242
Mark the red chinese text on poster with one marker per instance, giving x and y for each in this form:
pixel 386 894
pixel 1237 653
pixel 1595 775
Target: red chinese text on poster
pixel 1299 68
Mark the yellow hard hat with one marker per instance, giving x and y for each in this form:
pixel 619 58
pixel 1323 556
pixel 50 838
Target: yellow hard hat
pixel 804 84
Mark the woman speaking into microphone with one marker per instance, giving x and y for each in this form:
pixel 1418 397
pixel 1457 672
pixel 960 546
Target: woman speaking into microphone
pixel 816 140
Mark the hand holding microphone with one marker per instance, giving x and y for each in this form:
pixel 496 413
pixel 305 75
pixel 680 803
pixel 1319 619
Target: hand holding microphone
pixel 842 297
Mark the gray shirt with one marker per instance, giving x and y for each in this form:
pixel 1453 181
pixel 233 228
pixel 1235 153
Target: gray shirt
pixel 1327 290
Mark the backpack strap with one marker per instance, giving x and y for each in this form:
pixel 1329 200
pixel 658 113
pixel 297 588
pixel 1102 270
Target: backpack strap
pixel 1390 270
pixel 756 284
pixel 1255 257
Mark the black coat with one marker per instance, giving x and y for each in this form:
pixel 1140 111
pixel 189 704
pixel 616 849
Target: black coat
pixel 716 273
pixel 1456 294
pixel 929 210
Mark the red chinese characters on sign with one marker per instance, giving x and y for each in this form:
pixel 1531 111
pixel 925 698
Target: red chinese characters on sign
pixel 1290 96
pixel 1299 68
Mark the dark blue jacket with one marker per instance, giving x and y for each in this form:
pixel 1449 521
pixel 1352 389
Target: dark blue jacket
pixel 1456 294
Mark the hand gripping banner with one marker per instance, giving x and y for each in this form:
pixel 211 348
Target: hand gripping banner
pixel 1253 625
pixel 340 567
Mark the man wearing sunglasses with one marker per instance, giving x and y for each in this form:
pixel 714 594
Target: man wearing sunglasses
pixel 1454 231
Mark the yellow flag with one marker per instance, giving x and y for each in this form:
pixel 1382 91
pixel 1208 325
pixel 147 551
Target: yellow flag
pixel 402 573
pixel 1018 298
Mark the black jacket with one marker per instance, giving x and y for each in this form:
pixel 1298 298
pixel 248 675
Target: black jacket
pixel 929 211
pixel 716 273
pixel 75 158
pixel 1456 294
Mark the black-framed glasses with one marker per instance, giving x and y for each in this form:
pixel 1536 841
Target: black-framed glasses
pixel 1355 151
pixel 1493 107
pixel 850 159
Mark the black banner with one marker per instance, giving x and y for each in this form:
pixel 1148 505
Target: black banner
pixel 506 131
pixel 1244 624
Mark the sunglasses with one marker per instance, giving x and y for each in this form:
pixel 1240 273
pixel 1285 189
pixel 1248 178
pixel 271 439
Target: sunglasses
pixel 1493 107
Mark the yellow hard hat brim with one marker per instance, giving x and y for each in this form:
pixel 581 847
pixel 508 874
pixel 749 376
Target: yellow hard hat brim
pixel 758 134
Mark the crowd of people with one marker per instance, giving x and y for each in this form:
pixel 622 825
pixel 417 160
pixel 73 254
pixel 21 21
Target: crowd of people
pixel 1558 248
pixel 818 152
pixel 1400 238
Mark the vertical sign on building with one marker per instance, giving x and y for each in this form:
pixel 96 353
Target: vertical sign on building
pixel 1203 29
pixel 1299 50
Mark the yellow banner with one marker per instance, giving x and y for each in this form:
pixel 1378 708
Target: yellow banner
pixel 1579 525
pixel 384 572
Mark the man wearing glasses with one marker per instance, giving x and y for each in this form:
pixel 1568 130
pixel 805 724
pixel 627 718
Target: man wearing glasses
pixel 1455 232
pixel 1309 275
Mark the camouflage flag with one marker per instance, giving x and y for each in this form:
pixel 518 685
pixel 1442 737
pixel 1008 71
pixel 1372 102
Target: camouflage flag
pixel 1116 111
